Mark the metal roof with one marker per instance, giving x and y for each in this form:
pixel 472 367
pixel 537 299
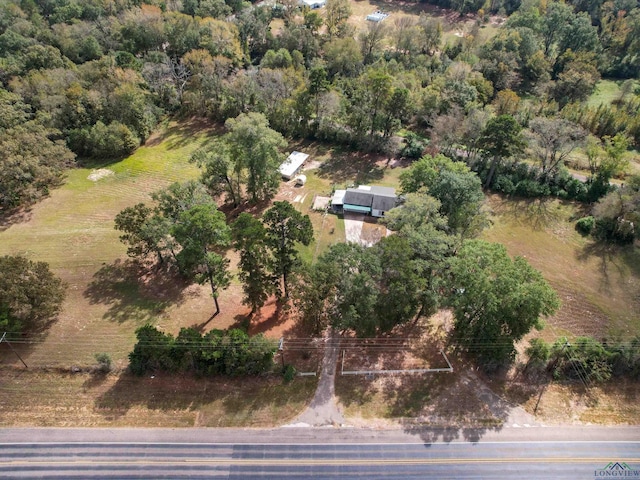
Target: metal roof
pixel 292 164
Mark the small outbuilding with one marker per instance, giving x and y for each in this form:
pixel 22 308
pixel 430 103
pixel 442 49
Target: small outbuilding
pixel 377 16
pixel 300 180
pixel 292 165
pixel 313 4
pixel 337 200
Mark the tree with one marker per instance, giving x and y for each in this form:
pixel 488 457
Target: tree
pixel 552 141
pixel 456 188
pixel 338 12
pixel 220 173
pixel 343 57
pixel 249 238
pixel 30 294
pixel 501 138
pixel 253 146
pixel 495 301
pixel 419 220
pixel 398 283
pixel 345 290
pixel 32 160
pixel 286 227
pixel 618 213
pixel 203 234
pixel 371 41
pixel 608 158
pixel 365 290
pixel 142 231
pixel 179 197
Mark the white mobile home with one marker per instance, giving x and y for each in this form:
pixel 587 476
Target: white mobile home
pixel 292 165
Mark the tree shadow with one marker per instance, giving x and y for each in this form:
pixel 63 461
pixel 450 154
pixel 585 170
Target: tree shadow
pixel 534 212
pixel 180 134
pixel 358 167
pixel 14 216
pixel 169 394
pixel 435 406
pixel 132 291
pixel 613 256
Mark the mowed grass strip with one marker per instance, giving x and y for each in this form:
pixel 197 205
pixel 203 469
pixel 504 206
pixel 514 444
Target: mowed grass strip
pixel 42 398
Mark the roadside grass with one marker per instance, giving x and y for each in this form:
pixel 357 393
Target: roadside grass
pixel 597 283
pixel 436 399
pixel 62 399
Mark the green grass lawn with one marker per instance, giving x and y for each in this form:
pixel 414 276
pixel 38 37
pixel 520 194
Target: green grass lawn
pixel 606 92
pixel 73 231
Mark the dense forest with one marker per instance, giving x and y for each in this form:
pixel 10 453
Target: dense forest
pixel 92 79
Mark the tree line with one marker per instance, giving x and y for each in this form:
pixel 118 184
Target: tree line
pixel 92 79
pixel 230 352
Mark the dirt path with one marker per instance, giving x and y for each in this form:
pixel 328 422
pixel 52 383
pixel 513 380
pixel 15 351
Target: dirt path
pixel 323 410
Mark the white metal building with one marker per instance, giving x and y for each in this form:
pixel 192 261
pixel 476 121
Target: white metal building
pixel 312 3
pixel 294 162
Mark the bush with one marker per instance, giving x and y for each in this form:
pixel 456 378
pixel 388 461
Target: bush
pixel 532 188
pixel 232 352
pixel 538 352
pixel 414 146
pixel 585 225
pixel 588 360
pixel 104 362
pixel 104 141
pixel 614 230
pixel 289 373
pixel 504 184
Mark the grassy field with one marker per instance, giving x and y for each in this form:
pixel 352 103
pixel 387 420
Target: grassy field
pixel 597 284
pixel 108 297
pixel 73 231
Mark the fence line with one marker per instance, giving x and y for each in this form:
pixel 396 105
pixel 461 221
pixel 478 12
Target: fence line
pixel 448 369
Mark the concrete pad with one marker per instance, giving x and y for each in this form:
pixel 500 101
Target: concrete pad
pixel 321 203
pixel 353 226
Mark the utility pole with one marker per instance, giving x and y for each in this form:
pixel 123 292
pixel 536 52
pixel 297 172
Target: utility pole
pixel 281 349
pixel 3 339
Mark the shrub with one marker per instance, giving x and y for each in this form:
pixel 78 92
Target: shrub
pixel 538 352
pixel 104 141
pixel 585 225
pixel 414 146
pixel 232 352
pixel 289 373
pixel 104 362
pixel 504 184
pixel 532 188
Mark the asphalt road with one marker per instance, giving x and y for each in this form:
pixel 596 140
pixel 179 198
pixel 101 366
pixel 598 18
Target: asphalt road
pixel 563 453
